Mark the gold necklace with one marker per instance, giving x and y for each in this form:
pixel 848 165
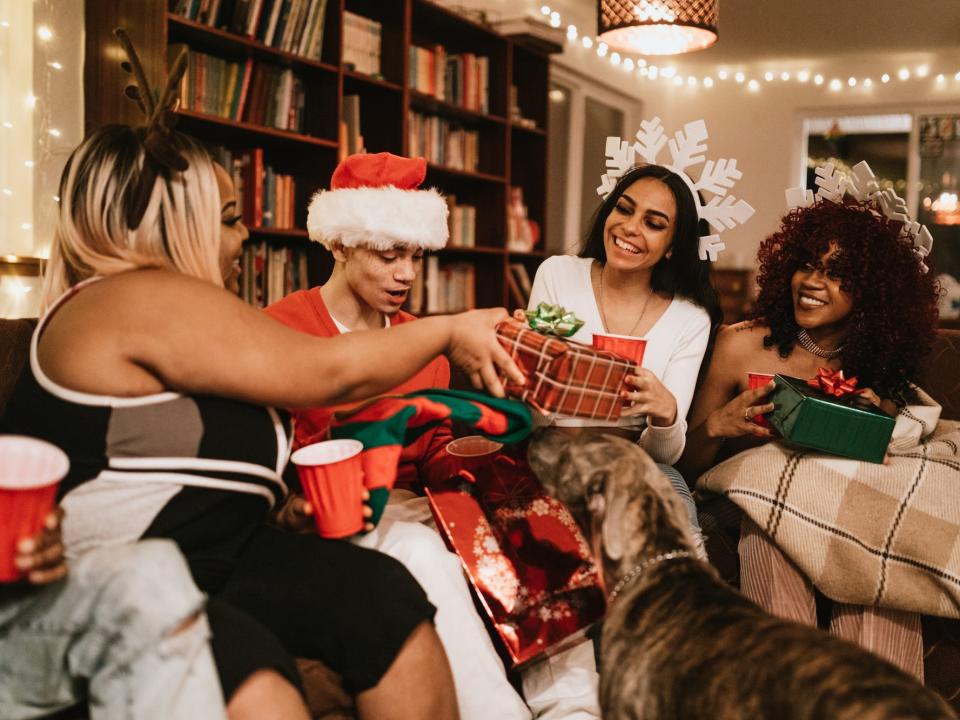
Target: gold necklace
pixel 603 315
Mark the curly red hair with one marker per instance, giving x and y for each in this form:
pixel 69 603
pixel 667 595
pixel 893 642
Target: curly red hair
pixel 894 315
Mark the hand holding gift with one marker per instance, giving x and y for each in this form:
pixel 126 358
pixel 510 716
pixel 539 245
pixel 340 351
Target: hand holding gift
pixel 648 396
pixel 472 348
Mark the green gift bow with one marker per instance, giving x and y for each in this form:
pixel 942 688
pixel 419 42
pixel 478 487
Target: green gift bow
pixel 550 319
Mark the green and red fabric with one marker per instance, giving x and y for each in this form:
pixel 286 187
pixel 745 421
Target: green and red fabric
pixel 386 424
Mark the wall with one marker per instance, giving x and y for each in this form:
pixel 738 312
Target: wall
pixel 764 131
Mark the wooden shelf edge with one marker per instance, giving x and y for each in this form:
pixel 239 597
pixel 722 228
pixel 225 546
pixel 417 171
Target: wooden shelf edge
pixel 245 41
pixel 289 233
pixel 451 15
pixel 528 253
pixel 444 170
pixel 258 129
pixel 531 130
pixel 370 80
pixel 432 104
pixel 475 250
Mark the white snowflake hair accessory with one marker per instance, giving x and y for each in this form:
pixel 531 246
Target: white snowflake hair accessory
pixel 861 184
pixel 687 150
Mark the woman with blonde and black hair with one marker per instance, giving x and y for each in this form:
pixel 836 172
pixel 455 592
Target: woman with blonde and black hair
pixel 159 386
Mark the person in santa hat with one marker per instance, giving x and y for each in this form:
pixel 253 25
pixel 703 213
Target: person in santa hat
pixel 378 221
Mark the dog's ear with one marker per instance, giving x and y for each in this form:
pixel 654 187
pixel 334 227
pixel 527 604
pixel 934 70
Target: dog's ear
pixel 616 501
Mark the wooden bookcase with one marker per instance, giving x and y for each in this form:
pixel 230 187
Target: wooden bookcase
pixel 512 151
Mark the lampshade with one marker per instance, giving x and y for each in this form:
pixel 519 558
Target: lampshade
pixel 658 27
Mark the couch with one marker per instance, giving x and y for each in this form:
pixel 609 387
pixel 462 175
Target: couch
pixel 325 694
pixel 941 637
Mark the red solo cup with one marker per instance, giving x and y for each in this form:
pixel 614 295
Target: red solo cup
pixel 331 473
pixel 30 472
pixel 754 381
pixel 626 346
pixel 473 451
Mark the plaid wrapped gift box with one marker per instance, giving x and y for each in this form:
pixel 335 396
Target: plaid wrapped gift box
pixel 524 556
pixel 563 376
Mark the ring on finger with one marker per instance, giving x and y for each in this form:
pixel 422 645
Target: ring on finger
pixel 746 415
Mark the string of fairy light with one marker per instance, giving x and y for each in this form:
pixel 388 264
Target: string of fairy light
pixel 752 82
pixel 45 37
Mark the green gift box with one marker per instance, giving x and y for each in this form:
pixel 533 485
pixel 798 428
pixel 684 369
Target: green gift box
pixel 849 426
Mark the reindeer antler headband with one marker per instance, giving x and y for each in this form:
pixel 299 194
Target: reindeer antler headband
pixel 861 183
pixel 686 150
pixel 162 156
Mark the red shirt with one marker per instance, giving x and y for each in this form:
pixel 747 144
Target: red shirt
pixel 422 462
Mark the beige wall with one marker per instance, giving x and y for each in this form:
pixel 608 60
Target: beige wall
pixel 764 130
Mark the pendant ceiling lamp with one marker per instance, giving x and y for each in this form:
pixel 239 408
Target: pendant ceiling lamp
pixel 658 27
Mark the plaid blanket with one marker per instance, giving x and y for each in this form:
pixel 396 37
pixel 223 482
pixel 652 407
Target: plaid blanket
pixel 864 533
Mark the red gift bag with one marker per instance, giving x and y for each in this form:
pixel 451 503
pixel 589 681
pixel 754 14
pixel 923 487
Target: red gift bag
pixel 524 555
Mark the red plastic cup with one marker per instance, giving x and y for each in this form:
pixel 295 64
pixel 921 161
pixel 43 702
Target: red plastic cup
pixel 473 451
pixel 754 381
pixel 30 472
pixel 331 473
pixel 626 346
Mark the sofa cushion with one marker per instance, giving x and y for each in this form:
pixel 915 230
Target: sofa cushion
pixel 14 351
pixel 939 376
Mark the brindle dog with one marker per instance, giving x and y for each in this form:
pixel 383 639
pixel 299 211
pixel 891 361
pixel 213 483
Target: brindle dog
pixel 680 644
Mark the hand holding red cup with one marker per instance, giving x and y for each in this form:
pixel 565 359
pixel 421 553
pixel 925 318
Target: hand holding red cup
pixel 758 380
pixel 331 473
pixel 30 472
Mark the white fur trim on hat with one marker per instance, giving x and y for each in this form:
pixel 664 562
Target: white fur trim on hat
pixel 379 218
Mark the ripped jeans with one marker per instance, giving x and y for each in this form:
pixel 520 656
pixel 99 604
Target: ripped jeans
pixel 106 636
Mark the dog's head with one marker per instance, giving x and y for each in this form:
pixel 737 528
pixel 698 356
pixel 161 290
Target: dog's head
pixel 615 491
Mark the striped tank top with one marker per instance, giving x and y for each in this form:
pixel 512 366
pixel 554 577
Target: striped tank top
pixel 203 471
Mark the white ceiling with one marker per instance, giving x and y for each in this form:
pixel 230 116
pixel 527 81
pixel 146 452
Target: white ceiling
pixel 805 30
pixel 810 29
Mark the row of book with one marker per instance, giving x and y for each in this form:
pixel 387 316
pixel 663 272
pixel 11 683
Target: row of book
pixel 456 79
pixel 268 273
pixel 351 139
pixel 462 220
pixel 251 92
pixel 443 143
pixel 294 26
pixel 361 43
pixel 447 288
pixel 265 198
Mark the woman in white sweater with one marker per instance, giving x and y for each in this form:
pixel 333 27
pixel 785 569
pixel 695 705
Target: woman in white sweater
pixel 639 274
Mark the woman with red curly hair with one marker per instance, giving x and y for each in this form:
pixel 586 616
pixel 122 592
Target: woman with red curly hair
pixel 840 286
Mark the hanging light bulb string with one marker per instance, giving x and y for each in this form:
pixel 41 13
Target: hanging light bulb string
pixel 646 70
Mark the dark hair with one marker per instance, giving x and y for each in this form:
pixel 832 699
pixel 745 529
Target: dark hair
pixel 683 273
pixel 894 315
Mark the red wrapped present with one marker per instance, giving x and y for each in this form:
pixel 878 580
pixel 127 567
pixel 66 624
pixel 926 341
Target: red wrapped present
pixel 564 376
pixel 524 556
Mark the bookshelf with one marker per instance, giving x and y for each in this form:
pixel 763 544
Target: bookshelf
pixel 469 99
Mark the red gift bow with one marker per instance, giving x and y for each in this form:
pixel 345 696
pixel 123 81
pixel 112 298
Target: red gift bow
pixel 832 382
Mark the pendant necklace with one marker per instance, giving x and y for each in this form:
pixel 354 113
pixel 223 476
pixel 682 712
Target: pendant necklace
pixel 807 343
pixel 603 315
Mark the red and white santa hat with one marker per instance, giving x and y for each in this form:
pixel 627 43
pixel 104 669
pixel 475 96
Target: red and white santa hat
pixel 375 201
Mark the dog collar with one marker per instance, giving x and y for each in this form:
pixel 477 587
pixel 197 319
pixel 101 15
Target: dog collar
pixel 639 568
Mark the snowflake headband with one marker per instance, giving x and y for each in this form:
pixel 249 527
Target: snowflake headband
pixel 686 150
pixel 862 184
